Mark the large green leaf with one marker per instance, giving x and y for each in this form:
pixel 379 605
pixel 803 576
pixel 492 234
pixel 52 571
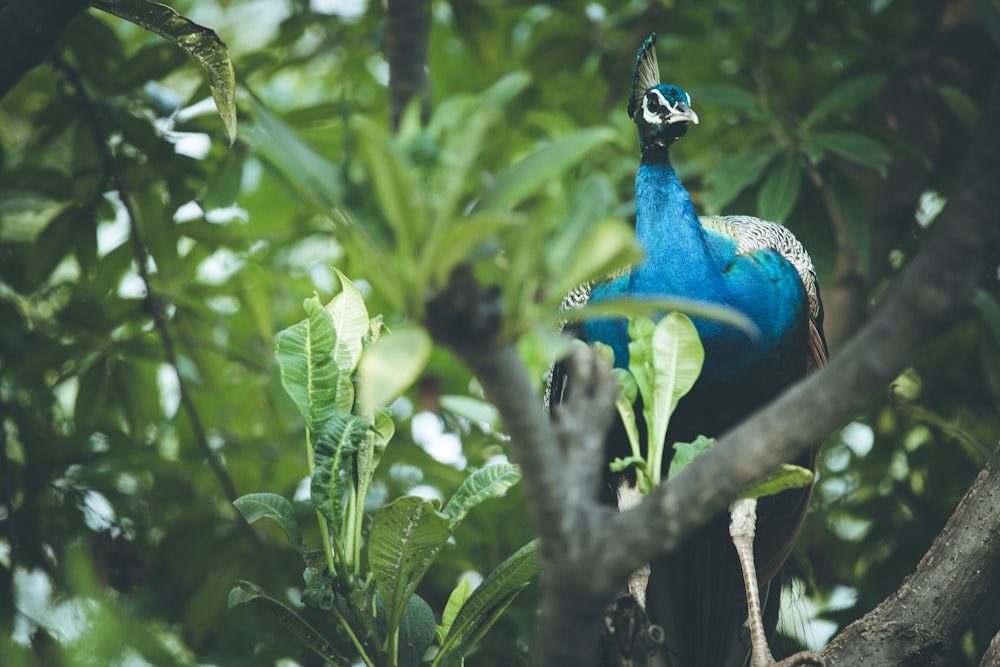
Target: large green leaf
pixel 780 192
pixel 312 175
pixel 457 241
pixel 724 94
pixel 416 632
pixel 463 143
pixel 254 506
pixel 485 483
pixel 391 365
pixel 730 177
pixel 487 603
pixel 196 40
pixel 665 360
pixel 309 373
pixel 634 307
pixel 530 174
pixel 392 177
pixel 247 592
pixel 340 437
pixel 609 247
pixel 848 95
pixel 351 323
pixel 856 147
pixel 405 537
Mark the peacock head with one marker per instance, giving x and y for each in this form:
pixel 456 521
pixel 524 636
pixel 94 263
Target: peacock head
pixel 660 111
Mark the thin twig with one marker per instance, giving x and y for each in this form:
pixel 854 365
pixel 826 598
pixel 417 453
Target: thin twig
pixel 153 300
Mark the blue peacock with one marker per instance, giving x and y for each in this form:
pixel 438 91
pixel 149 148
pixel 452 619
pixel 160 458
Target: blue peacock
pixel 758 268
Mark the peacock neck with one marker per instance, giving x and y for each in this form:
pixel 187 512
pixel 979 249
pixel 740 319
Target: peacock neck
pixel 678 258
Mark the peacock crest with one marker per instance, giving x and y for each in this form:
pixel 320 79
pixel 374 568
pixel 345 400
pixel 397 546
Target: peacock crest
pixel 661 112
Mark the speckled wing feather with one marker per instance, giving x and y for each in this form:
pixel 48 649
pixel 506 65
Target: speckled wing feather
pixel 755 234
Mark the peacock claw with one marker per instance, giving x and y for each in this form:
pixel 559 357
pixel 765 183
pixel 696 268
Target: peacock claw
pixel 803 658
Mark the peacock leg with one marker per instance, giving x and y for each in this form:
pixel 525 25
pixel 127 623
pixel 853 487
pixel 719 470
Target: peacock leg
pixel 742 527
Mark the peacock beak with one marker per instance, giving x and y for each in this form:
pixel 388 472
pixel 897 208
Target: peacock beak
pixel 682 112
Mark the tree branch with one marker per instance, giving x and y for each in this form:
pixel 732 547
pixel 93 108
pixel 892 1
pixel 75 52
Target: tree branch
pixel 920 622
pixel 992 655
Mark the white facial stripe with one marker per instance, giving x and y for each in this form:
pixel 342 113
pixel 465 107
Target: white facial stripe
pixel 649 116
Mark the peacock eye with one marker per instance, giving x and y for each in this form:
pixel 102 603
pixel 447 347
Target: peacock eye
pixel 652 103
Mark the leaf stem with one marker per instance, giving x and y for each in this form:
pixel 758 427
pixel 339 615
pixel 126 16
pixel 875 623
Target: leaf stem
pixel 354 638
pixel 324 529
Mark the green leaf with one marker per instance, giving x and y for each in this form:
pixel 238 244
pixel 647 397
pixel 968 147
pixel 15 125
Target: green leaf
pixel 628 391
pixel 405 537
pixel 989 13
pixel 319 592
pixel 371 452
pixel 848 95
pixel 340 437
pixel 780 192
pixel 960 104
pixel 351 322
pixel 254 506
pixel 724 94
pixel 686 452
pixel 247 592
pixel 25 215
pixel 731 176
pixel 486 483
pixel 530 174
pixel 223 185
pixel 635 307
pixel 609 247
pixel 196 40
pixel 455 601
pixel 989 310
pixel 311 174
pixel 487 603
pixel 308 371
pixel 391 365
pixel 855 147
pixel 777 20
pixel 462 144
pixel 785 476
pixel 456 242
pixel 392 177
pixel 665 359
pixel 416 632
pixel 474 409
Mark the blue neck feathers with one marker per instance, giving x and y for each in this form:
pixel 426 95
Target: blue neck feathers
pixel 683 259
pixel 679 260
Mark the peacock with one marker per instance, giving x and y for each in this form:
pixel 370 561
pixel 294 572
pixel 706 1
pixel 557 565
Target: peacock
pixel 751 265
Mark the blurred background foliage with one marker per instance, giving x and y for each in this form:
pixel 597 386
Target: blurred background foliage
pixel 136 347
